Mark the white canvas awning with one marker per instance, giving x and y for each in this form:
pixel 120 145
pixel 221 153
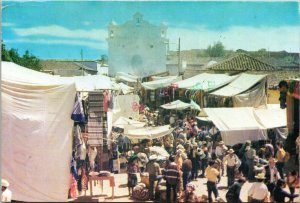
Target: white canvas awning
pixel 126 77
pixel 205 81
pixel 239 85
pixel 272 116
pixel 161 83
pixel 123 122
pixel 237 124
pixel 149 132
pixel 37 133
pixel 124 88
pixel 178 105
pixel 246 123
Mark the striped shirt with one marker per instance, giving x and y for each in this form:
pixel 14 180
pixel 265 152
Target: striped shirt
pixel 172 173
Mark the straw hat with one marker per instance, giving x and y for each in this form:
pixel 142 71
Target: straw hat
pixel 221 142
pixel 4 183
pixel 260 176
pixel 231 151
pixel 191 185
pixel 179 147
pixel 153 157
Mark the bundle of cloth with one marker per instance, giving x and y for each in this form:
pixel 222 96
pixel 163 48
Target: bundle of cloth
pixel 140 192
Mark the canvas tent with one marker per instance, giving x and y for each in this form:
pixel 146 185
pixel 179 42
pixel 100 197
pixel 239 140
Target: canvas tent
pixel 239 85
pixel 126 77
pixel 180 105
pixel 161 83
pixel 36 133
pixel 148 132
pixel 245 123
pixel 205 81
pixel 123 122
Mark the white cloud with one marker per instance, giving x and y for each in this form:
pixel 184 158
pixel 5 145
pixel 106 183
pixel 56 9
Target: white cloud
pixel 238 37
pixel 91 44
pixel 6 24
pixel 86 23
pixel 59 31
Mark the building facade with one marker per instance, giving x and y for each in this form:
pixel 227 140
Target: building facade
pixel 137 47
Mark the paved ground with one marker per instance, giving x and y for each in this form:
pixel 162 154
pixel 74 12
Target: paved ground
pixel 121 191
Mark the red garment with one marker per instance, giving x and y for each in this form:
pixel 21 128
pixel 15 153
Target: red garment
pixel 106 101
pixel 73 191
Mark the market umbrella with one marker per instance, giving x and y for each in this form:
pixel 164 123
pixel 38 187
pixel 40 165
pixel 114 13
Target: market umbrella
pixel 161 153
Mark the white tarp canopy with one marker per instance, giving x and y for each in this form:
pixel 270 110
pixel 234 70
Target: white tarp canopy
pixel 236 124
pixel 36 134
pixel 205 81
pixel 161 83
pixel 91 82
pixel 241 84
pixel 178 105
pixel 272 116
pixel 246 123
pixel 126 77
pixel 124 88
pixel 149 132
pixel 123 122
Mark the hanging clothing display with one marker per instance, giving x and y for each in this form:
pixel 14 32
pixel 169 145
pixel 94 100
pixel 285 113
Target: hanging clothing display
pixel 78 112
pixel 97 120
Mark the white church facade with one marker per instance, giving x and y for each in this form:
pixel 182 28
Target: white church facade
pixel 137 47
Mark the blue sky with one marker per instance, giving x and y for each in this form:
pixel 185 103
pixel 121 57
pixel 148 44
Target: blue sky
pixel 59 30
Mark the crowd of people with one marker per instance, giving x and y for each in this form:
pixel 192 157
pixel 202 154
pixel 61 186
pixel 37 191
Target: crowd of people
pixel 199 152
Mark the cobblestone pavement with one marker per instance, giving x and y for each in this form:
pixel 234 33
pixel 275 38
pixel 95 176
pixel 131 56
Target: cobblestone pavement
pixel 121 191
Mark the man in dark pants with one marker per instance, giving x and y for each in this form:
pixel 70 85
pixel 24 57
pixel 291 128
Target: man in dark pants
pixel 272 175
pixel 231 160
pixel 154 171
pixel 186 170
pixel 233 194
pixel 212 177
pixel 172 177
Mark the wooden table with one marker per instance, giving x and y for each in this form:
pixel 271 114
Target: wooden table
pixel 101 179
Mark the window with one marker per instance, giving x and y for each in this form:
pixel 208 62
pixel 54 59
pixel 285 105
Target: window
pixel 111 34
pixel 151 46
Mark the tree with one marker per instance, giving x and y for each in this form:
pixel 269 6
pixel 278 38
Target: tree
pixel 216 50
pixel 27 60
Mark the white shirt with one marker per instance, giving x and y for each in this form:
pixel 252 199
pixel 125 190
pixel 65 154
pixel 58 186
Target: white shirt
pixel 6 195
pixel 219 151
pixel 231 161
pixel 258 191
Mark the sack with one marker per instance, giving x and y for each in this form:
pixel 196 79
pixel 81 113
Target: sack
pixel 287 157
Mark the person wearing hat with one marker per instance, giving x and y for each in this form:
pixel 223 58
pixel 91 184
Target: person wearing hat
pixel 195 158
pixel 220 153
pixel 172 176
pixel 190 195
pixel 250 155
pixel 212 177
pixel 272 175
pixel 258 191
pixel 186 170
pixel 231 160
pixel 233 193
pixel 280 194
pixel 204 159
pixel 242 157
pixel 133 169
pixel 154 171
pixel 6 193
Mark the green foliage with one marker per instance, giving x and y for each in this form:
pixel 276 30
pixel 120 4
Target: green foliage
pixel 216 50
pixel 27 60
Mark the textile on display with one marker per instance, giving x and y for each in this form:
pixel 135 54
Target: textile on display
pixel 97 121
pixel 36 113
pixel 78 113
pixel 161 153
pixel 126 105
